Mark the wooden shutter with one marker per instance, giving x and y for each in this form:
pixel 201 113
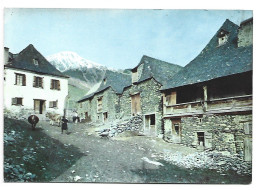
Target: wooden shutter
pixel 51 84
pixel 138 103
pixel 248 128
pixel 42 82
pixel 56 103
pixel 15 78
pixel 50 104
pixel 173 98
pixel 58 84
pixel 14 101
pixel 208 139
pixel 34 81
pixel 24 80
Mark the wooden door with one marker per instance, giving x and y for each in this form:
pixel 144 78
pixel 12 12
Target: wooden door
pixel 176 130
pixel 248 149
pixel 37 106
pixel 136 104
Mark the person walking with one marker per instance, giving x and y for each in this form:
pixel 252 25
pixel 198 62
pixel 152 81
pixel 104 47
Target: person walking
pixel 64 125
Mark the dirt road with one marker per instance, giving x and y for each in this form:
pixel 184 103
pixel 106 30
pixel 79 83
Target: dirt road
pixel 82 156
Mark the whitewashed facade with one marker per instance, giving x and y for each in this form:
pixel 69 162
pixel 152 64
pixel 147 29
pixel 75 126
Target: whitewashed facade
pixel 34 92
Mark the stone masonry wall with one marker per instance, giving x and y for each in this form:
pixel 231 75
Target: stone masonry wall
pixel 245 35
pixel 151 101
pixel 110 102
pixel 222 133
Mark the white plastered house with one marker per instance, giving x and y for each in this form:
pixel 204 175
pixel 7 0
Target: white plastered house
pixel 32 85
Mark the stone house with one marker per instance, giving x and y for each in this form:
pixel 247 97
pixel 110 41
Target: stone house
pixel 103 104
pixel 32 85
pixel 143 96
pixel 208 104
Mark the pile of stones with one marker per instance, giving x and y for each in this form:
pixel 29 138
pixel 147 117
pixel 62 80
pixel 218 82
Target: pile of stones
pixel 133 124
pixel 17 173
pixel 219 161
pixel 19 115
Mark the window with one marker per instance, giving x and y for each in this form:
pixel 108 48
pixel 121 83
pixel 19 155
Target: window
pixel 105 81
pixel 35 62
pixel 99 104
pixel 55 84
pixel 37 82
pixel 105 116
pixel 53 104
pixel 222 37
pixel 134 75
pixel 201 138
pixel 17 101
pixel 20 79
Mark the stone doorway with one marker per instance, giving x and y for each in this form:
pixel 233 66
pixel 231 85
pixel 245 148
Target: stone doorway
pixel 176 130
pixel 149 125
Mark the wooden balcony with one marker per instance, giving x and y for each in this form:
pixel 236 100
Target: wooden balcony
pixel 214 106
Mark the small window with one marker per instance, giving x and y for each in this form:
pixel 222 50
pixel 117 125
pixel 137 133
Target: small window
pixel 222 37
pixel 53 104
pixel 38 82
pixel 201 138
pixel 35 62
pixel 134 75
pixel 17 101
pixel 105 81
pixel 55 84
pixel 20 79
pixel 99 104
pixel 105 116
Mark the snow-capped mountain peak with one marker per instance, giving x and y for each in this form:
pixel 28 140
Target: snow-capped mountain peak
pixel 67 60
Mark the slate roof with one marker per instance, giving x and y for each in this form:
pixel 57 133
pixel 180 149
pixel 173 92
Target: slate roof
pixel 24 61
pixel 161 71
pixel 117 81
pixel 214 62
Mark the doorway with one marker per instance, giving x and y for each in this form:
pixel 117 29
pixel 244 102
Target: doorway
pixel 176 130
pixel 149 125
pixel 39 106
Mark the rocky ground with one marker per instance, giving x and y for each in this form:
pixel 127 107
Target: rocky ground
pixel 82 155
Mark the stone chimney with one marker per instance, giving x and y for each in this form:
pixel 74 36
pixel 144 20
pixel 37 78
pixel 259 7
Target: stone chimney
pixel 245 33
pixel 6 55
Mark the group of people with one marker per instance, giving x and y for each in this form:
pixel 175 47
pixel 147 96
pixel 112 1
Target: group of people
pixel 64 121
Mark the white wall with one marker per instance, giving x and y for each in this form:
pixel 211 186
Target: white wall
pixel 28 92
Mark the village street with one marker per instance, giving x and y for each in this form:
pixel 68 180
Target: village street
pixel 123 159
pixel 82 156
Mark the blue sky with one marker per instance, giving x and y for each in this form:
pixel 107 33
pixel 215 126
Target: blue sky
pixel 116 38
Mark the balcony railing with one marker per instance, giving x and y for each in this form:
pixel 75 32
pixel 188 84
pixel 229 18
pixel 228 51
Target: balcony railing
pixel 229 104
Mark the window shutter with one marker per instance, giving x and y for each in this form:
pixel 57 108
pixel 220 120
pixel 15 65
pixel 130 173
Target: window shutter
pixel 58 85
pixel 34 81
pixel 13 101
pixel 15 79
pixel 51 84
pixel 56 103
pixel 50 104
pixel 24 80
pixel 42 82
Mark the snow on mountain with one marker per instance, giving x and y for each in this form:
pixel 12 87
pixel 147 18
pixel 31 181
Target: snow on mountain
pixel 67 60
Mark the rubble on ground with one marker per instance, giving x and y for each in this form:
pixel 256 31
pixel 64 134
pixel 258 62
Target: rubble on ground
pixel 116 128
pixel 210 160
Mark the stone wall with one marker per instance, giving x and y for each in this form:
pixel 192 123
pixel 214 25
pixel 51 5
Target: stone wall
pixel 222 132
pixel 245 34
pixel 151 101
pixel 110 102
